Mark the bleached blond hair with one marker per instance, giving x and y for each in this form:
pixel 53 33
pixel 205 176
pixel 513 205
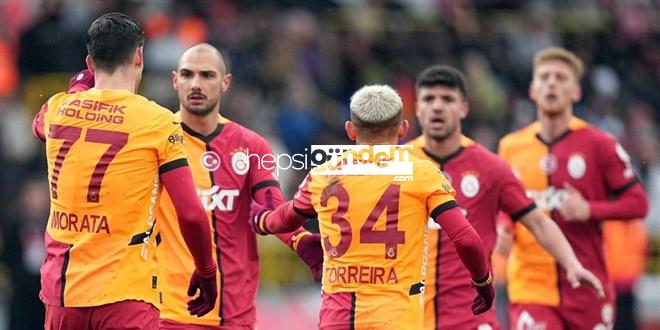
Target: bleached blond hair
pixel 376 105
pixel 561 54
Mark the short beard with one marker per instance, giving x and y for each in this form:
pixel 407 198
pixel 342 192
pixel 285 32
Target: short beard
pixel 203 112
pixel 441 137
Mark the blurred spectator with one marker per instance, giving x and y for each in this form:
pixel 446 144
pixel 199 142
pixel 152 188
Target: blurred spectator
pixel 297 63
pixel 24 228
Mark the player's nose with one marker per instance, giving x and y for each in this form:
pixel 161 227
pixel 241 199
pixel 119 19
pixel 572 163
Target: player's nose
pixel 196 82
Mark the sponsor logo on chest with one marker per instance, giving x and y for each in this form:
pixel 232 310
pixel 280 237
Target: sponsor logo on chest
pixel 216 198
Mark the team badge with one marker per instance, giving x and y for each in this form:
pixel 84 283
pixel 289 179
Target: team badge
pixel 210 160
pixel 470 185
pixel 240 162
pixel 576 166
pixel 548 164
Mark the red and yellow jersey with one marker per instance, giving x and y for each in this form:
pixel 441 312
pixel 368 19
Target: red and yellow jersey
pixel 105 149
pixel 227 173
pixel 374 235
pixel 589 160
pixel 481 192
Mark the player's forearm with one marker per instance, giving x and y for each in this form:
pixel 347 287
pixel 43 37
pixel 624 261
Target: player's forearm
pixel 192 218
pixel 283 219
pixel 466 241
pixel 287 238
pixel 631 204
pixel 277 199
pixel 549 235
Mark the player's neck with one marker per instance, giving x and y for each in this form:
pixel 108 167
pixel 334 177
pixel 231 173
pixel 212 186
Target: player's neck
pixel 203 125
pixel 443 148
pixel 378 141
pixel 554 126
pixel 120 79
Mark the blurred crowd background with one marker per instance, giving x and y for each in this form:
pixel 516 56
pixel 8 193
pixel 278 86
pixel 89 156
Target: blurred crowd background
pixel 296 63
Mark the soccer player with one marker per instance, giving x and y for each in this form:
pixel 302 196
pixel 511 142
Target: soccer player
pixel 224 158
pixel 485 185
pixel 374 229
pixel 108 150
pixel 580 176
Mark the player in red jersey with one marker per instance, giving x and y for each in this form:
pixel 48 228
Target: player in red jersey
pixel 374 229
pixel 108 149
pixel 580 176
pixel 224 158
pixel 485 185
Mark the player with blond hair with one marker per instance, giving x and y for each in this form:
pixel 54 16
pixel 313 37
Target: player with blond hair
pixel 579 176
pixel 482 191
pixel 374 231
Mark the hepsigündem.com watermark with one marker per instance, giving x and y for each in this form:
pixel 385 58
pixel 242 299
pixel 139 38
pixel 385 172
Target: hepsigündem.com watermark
pixel 394 160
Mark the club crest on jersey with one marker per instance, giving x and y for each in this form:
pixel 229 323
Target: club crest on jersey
pixel 240 162
pixel 210 160
pixel 470 185
pixel 576 166
pixel 548 164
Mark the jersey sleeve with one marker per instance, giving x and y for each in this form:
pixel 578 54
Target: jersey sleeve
pixel 171 152
pixel 619 174
pixel 441 195
pixel 39 122
pixel 260 176
pixel 512 197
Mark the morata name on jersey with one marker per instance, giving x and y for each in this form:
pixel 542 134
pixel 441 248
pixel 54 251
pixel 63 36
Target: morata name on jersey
pixel 86 223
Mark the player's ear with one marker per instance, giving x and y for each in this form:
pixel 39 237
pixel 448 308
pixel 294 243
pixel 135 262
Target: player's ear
pixel 175 80
pixel 138 59
pixel 465 109
pixel 403 128
pixel 226 82
pixel 531 92
pixel 351 130
pixel 90 63
pixel 577 93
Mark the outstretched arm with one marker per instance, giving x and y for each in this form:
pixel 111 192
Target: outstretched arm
pixel 304 243
pixel 280 220
pixel 553 240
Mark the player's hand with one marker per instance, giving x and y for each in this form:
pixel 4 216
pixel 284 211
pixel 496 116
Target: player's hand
pixel 577 276
pixel 485 295
pixel 574 207
pixel 208 293
pixel 81 81
pixel 259 212
pixel 311 253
